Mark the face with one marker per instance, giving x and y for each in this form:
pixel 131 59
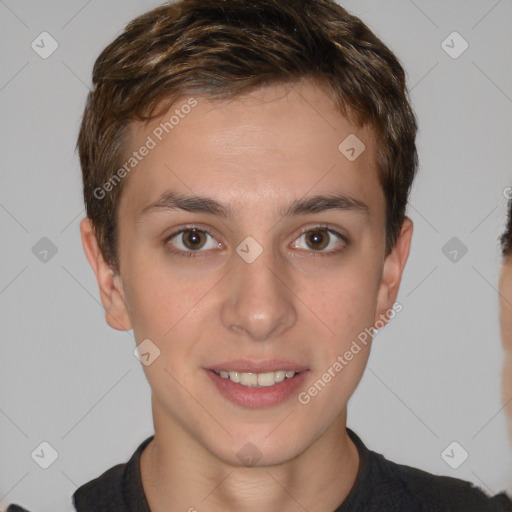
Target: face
pixel 506 334
pixel 260 275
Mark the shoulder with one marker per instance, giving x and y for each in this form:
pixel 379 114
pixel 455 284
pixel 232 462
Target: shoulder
pixel 386 486
pixel 414 489
pixel 115 490
pixel 103 493
pixel 105 490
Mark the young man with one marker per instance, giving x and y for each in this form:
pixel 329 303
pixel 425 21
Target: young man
pixel 505 289
pixel 246 171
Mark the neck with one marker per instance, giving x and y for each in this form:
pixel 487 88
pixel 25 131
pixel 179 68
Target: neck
pixel 180 474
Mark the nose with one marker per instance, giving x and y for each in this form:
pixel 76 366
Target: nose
pixel 259 301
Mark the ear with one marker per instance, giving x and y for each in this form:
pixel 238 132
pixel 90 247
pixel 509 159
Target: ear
pixel 394 264
pixel 110 284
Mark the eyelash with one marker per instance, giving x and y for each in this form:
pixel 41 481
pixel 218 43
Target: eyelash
pixel 195 254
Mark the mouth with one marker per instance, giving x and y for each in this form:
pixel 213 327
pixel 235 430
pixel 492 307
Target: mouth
pixel 256 380
pixel 256 385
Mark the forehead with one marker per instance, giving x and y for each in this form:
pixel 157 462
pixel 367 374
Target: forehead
pixel 273 145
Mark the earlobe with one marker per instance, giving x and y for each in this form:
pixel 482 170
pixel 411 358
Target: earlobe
pixel 394 265
pixel 110 286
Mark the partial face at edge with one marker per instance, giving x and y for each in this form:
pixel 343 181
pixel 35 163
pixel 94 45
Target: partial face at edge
pixel 505 290
pixel 304 299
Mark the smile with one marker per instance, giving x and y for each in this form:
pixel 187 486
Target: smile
pixel 256 379
pixel 257 390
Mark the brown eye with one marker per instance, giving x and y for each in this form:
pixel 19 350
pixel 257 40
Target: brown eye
pixel 193 239
pixel 319 238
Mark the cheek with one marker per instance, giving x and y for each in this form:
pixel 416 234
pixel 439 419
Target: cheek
pixel 346 301
pixel 348 307
pixel 505 290
pixel 166 304
pixel 506 387
pixel 506 324
pixel 155 302
pixel 153 294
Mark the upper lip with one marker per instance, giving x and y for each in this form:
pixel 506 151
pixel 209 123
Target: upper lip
pixel 247 366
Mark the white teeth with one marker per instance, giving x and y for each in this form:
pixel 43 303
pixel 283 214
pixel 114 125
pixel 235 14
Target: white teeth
pixel 280 376
pixel 248 379
pixel 234 376
pixel 257 379
pixel 266 379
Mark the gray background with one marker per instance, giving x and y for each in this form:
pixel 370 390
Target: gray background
pixel 434 375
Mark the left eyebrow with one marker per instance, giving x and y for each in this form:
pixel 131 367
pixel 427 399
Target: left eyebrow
pixel 201 204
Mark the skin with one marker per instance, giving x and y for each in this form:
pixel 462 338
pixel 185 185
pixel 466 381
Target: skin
pixel 505 289
pixel 256 152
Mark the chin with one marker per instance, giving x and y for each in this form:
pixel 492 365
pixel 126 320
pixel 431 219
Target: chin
pixel 259 449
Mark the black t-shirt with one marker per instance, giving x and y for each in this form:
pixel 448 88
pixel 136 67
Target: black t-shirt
pixel 380 486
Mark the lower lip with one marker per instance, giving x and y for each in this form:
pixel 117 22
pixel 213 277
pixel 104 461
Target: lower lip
pixel 255 397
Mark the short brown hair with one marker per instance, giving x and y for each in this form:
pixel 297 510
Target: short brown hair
pixel 222 48
pixel 506 237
